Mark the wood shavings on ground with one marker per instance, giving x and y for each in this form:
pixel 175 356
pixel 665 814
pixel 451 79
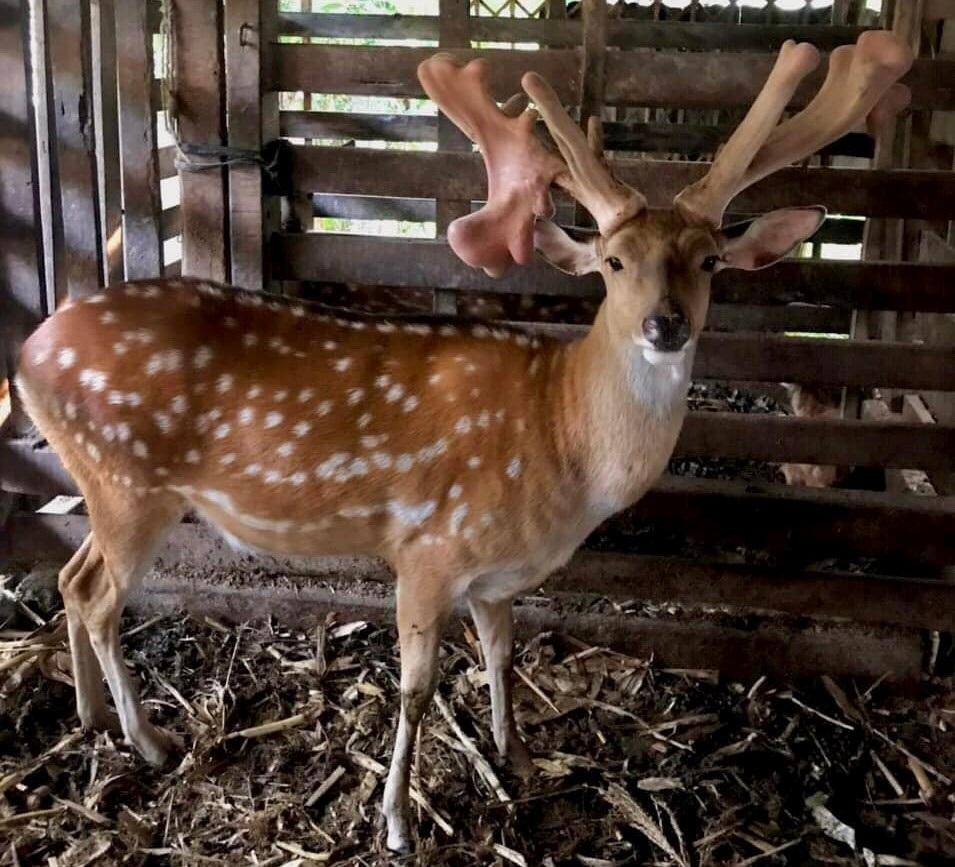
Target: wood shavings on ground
pixel 288 735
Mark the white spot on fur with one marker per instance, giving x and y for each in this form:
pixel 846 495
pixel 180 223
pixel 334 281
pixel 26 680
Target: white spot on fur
pixel 514 468
pixel 107 318
pixel 298 479
pixel 94 380
pixel 355 395
pixel 455 491
pixel 224 383
pixel 123 432
pixel 254 392
pixel 94 452
pixel 434 379
pixel 201 357
pixel 474 462
pixel 228 460
pixel 305 395
pixel 179 404
pixel 394 393
pixel 342 364
pixel 140 449
pixel 108 433
pixel 301 428
pixel 329 467
pixel 403 463
pixel 280 395
pixel 382 381
pixel 330 345
pixel 250 339
pixel 382 460
pixel 428 453
pixel 457 518
pixel 463 425
pixel 285 449
pixel 273 419
pixel 222 431
pixel 417 328
pixel 481 331
pixel 410 403
pixel 191 456
pixel 372 442
pixel 246 415
pixel 163 422
pixel 364 420
pixel 272 477
pixel 66 358
pixel 253 469
pixel 414 514
pixel 325 407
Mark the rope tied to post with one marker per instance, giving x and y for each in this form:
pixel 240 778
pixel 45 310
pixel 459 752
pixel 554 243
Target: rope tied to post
pixel 192 157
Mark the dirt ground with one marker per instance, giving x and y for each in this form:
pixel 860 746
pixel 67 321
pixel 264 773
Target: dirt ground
pixel 287 735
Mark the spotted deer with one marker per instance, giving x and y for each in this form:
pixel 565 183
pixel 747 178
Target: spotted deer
pixel 472 458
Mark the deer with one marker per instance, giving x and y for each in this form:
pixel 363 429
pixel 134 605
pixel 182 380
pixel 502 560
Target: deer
pixel 295 430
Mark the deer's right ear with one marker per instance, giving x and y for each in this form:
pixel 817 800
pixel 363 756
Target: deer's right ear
pixel 563 252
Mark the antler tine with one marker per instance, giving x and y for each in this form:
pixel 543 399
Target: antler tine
pixel 860 85
pixel 520 169
pixel 704 202
pixel 610 202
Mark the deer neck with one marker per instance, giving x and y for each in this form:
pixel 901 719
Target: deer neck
pixel 622 413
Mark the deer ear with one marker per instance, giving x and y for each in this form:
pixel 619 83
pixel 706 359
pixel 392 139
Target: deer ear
pixel 563 252
pixel 759 243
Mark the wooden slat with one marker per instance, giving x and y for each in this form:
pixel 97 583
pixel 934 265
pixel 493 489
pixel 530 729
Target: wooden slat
pixel 430 264
pixel 646 78
pixel 167 161
pixel 659 137
pixel 107 137
pixel 78 259
pixel 812 524
pixel 171 223
pixel 621 33
pixel 817 441
pixel 418 174
pixel 243 63
pixel 22 295
pixel 926 604
pixel 200 104
pixel 142 243
pixel 939 10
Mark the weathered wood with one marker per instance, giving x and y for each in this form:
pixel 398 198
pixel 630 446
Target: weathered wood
pixel 418 174
pixel 22 293
pixel 103 34
pixel 243 64
pixel 78 259
pixel 702 36
pixel 645 77
pixel 807 523
pixel 939 10
pixel 200 107
pixel 167 161
pixel 645 137
pixel 142 242
pixel 927 604
pixel 817 441
pixel 430 264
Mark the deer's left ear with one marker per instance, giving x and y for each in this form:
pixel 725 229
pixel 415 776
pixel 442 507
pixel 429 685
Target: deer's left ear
pixel 759 243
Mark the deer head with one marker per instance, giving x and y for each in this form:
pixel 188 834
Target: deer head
pixel 657 266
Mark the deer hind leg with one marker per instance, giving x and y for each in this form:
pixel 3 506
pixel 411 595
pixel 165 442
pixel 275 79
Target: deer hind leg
pixel 87 674
pixel 495 626
pixel 422 614
pixel 125 534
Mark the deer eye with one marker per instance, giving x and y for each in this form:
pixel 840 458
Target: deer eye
pixel 614 263
pixel 709 263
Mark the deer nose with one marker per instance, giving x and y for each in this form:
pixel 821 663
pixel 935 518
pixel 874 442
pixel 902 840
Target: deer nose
pixel 666 332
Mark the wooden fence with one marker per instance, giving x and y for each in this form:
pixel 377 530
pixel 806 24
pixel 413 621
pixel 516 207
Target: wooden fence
pixel 82 199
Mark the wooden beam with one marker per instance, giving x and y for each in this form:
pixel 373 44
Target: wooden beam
pixel 429 264
pixel 199 102
pixel 801 523
pixel 78 257
pixel 243 65
pixel 622 33
pixel 686 79
pixel 836 442
pixel 418 174
pixel 644 137
pixel 939 10
pixel 22 291
pixel 142 242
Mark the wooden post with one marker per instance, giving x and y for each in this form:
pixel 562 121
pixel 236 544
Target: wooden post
pixel 22 296
pixel 243 58
pixel 103 32
pixel 142 241
pixel 593 72
pixel 197 33
pixel 453 33
pixel 78 254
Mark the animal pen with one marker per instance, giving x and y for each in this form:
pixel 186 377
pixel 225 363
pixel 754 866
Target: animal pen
pixel 280 146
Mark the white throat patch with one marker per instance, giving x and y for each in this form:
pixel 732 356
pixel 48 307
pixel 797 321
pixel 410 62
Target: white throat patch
pixel 660 379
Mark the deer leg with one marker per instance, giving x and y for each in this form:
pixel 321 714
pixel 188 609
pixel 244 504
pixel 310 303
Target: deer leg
pixel 422 614
pixel 87 674
pixel 125 535
pixel 495 626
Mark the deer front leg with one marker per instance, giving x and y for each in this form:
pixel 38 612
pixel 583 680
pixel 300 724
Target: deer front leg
pixel 495 626
pixel 422 614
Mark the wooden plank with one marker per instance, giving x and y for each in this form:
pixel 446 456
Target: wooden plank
pixel 167 162
pixel 243 63
pixel 79 254
pixel 661 137
pixel 418 174
pixel 429 264
pixel 939 10
pixel 838 442
pixel 645 78
pixel 200 105
pixel 622 33
pixel 22 291
pixel 807 523
pixel 103 33
pixel 171 223
pixel 914 409
pixel 142 241
pixel 926 604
